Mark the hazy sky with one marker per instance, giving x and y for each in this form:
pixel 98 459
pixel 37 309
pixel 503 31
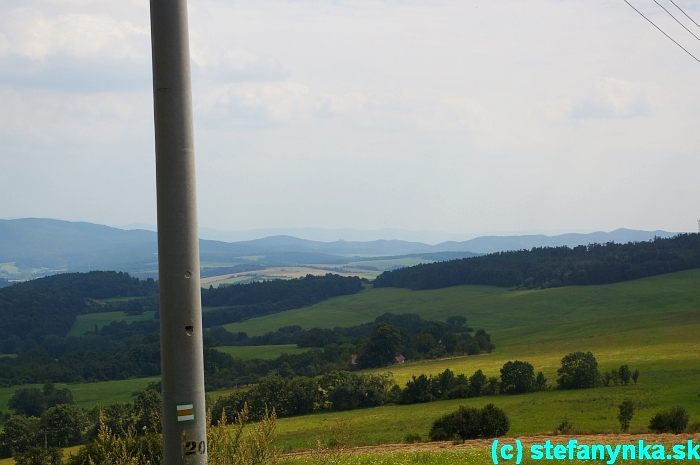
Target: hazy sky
pixel 462 116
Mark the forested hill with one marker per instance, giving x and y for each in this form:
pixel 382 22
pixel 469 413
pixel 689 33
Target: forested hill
pixel 48 306
pixel 264 298
pixel 545 267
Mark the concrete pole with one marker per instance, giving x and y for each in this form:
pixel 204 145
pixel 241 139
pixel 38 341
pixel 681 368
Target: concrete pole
pixel 182 361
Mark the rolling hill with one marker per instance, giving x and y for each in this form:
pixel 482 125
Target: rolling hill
pixel 32 247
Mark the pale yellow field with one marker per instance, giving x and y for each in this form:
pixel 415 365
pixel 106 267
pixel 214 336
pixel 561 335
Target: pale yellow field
pixel 281 272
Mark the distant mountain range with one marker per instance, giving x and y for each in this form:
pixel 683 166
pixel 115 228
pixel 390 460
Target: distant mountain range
pixel 37 246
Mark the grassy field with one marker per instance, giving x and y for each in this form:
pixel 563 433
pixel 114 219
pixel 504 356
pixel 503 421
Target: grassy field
pixel 472 453
pixel 121 299
pixel 9 268
pixel 382 265
pixel 90 394
pixel 85 323
pixel 280 272
pixel 651 324
pixel 667 359
pixel 513 317
pixel 236 279
pixel 264 352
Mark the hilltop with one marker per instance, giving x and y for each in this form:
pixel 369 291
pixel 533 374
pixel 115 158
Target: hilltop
pixel 33 247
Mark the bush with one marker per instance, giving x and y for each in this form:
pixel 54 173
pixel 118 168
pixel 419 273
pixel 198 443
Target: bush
pixel 494 422
pixel 470 423
pixel 234 446
pixel 578 370
pixel 517 377
pixel 626 414
pixel 693 428
pixel 66 423
pixel 540 382
pixel 674 420
pixel 565 427
pixel 108 448
pixel 463 423
pixel 410 438
pixel 40 456
pixel 625 374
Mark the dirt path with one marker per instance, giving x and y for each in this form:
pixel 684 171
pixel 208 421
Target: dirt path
pixel 526 441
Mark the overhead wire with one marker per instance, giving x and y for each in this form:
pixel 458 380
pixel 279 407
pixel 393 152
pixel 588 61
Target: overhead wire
pixel 661 30
pixel 676 19
pixel 686 14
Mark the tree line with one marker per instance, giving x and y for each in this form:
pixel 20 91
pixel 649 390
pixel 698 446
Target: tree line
pixel 544 267
pixel 34 310
pixel 343 390
pixel 383 346
pixel 120 351
pixel 48 413
pixel 266 297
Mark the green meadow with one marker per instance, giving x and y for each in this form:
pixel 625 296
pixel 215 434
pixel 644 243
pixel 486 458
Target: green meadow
pixel 449 455
pixel 669 375
pixel 85 323
pixel 263 352
pixel 512 317
pixel 382 265
pixel 651 324
pixel 88 395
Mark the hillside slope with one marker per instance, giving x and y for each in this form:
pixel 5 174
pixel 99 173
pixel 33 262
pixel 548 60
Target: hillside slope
pixel 513 317
pixel 555 266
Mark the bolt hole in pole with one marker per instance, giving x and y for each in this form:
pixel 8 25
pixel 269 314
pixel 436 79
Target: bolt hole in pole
pixel 188 275
pixel 189 330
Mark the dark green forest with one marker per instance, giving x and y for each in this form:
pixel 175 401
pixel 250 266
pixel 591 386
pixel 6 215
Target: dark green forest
pixel 39 314
pixel 545 267
pixel 48 306
pixel 267 297
pixel 121 350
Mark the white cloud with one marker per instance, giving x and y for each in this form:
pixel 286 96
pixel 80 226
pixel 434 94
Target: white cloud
pixel 466 116
pixel 4 45
pixel 617 98
pixel 42 116
pixel 33 35
pixel 275 100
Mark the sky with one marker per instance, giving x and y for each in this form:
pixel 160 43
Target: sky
pixel 459 116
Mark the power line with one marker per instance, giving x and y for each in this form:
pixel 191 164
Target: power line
pixel 661 30
pixel 686 14
pixel 671 15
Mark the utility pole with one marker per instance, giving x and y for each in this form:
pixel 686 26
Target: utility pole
pixel 182 360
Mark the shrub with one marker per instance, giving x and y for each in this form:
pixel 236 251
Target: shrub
pixel 540 382
pixel 410 438
pixel 492 386
pixel 635 375
pixel 693 428
pixel 464 423
pixel 40 456
pixel 517 377
pixel 470 423
pixel 129 449
pixel 578 370
pixel 565 427
pixel 230 446
pixel 626 414
pixel 493 422
pixel 66 423
pixel 477 382
pixel 674 420
pixel 625 374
